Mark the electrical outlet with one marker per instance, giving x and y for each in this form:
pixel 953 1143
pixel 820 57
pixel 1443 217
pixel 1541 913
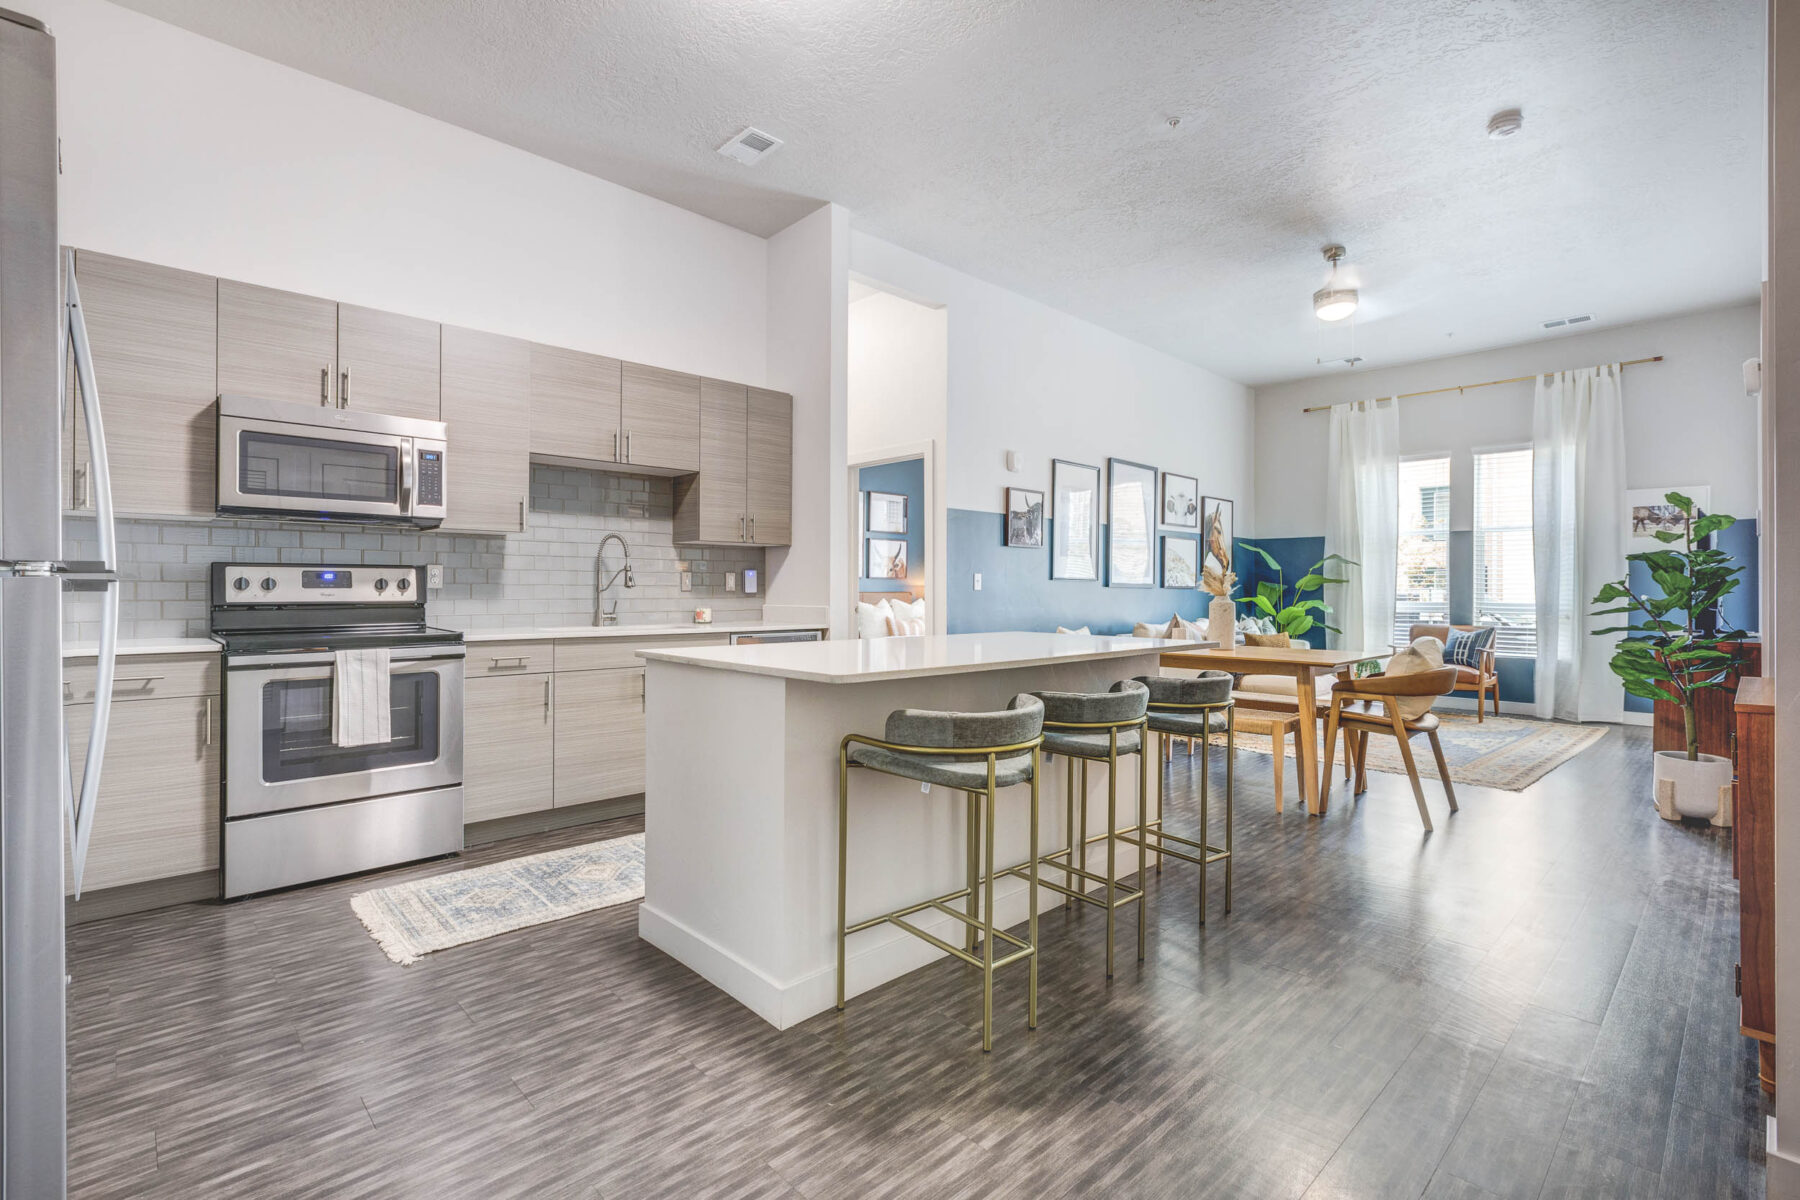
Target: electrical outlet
pixel 731 581
pixel 434 576
pixel 978 581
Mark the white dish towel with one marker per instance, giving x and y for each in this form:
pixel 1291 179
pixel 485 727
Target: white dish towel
pixel 359 690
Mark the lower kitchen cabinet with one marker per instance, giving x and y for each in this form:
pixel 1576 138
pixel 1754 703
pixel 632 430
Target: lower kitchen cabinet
pixel 158 813
pixel 509 734
pixel 600 735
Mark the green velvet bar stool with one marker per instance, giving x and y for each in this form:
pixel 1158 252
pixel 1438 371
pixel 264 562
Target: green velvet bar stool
pixel 977 754
pixel 1192 708
pixel 1097 727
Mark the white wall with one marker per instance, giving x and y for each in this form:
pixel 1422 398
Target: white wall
pixel 1027 377
pixel 1687 418
pixel 184 151
pixel 899 374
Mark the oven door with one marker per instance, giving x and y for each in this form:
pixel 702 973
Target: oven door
pixel 317 471
pixel 279 754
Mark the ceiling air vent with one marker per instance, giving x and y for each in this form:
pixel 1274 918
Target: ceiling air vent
pixel 1565 322
pixel 750 146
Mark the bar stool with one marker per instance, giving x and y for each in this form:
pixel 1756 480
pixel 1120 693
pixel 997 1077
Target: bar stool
pixel 978 754
pixel 1192 708
pixel 1097 727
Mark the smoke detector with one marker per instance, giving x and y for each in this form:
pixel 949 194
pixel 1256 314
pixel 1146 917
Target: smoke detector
pixel 750 146
pixel 1505 123
pixel 1333 303
pixel 1565 322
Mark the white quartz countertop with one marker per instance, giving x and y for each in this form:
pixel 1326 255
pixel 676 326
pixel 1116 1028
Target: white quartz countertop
pixel 870 659
pixel 129 647
pixel 563 632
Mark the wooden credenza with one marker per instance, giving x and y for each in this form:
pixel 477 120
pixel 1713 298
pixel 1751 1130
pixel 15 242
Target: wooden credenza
pixel 1754 862
pixel 1712 709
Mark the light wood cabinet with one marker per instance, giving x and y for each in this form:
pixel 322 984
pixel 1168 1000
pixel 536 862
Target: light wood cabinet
pixel 509 737
pixel 387 363
pixel 659 418
pixel 158 810
pixel 154 334
pixel 769 459
pixel 276 345
pixel 574 406
pixel 487 408
pixel 600 735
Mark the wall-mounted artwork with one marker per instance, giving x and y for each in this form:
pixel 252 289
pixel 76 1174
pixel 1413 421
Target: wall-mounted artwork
pixel 1074 520
pixel 1130 524
pixel 1218 527
pixel 1024 518
pixel 1648 511
pixel 1180 500
pixel 886 559
pixel 1180 562
pixel 886 512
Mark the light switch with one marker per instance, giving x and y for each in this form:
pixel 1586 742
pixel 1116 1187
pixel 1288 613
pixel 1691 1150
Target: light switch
pixel 978 581
pixel 687 581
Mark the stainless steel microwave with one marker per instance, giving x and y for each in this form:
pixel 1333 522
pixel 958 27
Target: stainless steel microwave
pixel 337 464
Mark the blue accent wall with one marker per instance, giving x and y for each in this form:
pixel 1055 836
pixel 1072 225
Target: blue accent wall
pixel 1740 608
pixel 905 478
pixel 1018 593
pixel 1295 555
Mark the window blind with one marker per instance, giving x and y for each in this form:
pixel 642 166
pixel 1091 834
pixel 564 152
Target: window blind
pixel 1422 574
pixel 1505 591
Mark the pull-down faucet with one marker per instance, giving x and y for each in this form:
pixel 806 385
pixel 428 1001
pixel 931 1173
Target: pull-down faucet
pixel 601 615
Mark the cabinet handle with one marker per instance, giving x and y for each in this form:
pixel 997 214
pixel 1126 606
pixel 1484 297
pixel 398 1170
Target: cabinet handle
pixel 325 386
pixel 740 527
pixel 643 692
pixel 546 697
pixel 344 390
pixel 517 660
pixel 521 514
pixel 628 447
pixel 207 719
pixel 143 683
pixel 84 488
pixel 753 529
pixel 615 453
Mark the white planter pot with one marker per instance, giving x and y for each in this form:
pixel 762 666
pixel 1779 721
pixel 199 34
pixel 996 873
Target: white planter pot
pixel 1701 788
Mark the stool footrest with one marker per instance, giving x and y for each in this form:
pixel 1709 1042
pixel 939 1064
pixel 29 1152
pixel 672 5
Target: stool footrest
pixel 1213 853
pixel 959 952
pixel 908 911
pixel 1125 895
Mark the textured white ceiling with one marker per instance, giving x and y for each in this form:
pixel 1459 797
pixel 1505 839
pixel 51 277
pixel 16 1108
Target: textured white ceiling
pixel 1027 142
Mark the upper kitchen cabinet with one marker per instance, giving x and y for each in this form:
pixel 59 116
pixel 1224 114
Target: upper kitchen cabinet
pixel 276 345
pixel 659 418
pixel 574 406
pixel 769 458
pixel 487 407
pixel 153 331
pixel 387 363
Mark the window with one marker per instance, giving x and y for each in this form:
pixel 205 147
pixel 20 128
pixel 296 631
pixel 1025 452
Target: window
pixel 1505 591
pixel 1422 578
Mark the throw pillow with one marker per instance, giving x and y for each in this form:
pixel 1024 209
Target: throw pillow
pixel 1425 654
pixel 1467 646
pixel 872 619
pixel 1149 631
pixel 907 626
pixel 1186 630
pixel 1082 630
pixel 1279 640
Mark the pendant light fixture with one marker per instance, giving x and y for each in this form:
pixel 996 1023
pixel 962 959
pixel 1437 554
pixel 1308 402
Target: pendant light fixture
pixel 1333 303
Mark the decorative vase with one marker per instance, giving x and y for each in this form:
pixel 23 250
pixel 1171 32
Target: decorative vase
pixel 1698 788
pixel 1221 622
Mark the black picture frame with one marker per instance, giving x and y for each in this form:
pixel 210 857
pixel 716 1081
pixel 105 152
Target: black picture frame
pixel 1186 502
pixel 1132 500
pixel 1181 544
pixel 1024 518
pixel 1074 521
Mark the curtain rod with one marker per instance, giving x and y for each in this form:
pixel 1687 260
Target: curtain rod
pixel 1466 386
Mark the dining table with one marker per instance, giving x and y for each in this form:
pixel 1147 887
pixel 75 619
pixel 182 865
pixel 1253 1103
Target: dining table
pixel 1305 665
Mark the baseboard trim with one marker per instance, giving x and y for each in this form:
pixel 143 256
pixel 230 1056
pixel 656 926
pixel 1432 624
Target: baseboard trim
pixel 1640 718
pixel 546 820
pixel 140 897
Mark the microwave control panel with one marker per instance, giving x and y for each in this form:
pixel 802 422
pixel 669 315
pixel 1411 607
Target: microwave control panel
pixel 431 478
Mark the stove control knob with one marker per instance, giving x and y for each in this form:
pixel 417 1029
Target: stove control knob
pixel 381 585
pixel 405 584
pixel 268 583
pixel 240 583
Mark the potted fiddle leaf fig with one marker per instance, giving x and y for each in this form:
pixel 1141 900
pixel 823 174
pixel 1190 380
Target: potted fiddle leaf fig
pixel 1295 616
pixel 1673 651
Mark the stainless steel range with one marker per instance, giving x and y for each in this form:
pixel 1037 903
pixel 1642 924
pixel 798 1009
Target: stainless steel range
pixel 299 805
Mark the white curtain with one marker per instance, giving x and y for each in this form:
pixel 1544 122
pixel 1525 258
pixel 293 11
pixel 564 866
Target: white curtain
pixel 1363 489
pixel 1578 537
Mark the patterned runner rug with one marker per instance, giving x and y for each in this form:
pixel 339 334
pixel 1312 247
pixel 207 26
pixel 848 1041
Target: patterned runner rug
pixel 414 918
pixel 1507 753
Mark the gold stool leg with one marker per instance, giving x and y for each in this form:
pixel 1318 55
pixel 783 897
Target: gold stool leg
pixel 1205 762
pixel 972 867
pixel 1230 795
pixel 987 926
pixel 1069 825
pixel 1112 845
pixel 1143 807
pixel 1081 834
pixel 843 848
pixel 1161 778
pixel 1032 897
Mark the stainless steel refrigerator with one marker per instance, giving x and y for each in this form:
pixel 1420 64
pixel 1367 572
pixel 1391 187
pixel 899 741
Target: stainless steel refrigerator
pixel 40 331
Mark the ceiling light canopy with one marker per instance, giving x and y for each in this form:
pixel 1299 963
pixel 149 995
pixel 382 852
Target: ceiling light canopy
pixel 1333 303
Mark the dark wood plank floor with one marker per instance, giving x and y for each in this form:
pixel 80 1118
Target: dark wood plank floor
pixel 1535 1001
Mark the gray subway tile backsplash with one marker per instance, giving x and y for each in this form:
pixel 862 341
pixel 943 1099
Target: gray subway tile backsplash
pixel 543 576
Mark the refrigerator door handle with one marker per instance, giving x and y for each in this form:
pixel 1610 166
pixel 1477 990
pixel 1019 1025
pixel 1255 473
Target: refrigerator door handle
pixel 81 803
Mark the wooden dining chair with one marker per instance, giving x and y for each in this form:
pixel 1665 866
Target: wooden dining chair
pixel 1368 705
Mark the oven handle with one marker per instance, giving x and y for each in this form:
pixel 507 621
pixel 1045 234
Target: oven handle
pixel 263 662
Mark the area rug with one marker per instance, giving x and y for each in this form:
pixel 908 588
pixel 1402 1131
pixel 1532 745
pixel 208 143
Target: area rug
pixel 413 919
pixel 1505 753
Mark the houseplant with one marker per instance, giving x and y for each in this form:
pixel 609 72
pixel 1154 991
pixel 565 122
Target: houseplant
pixel 1667 654
pixel 1296 616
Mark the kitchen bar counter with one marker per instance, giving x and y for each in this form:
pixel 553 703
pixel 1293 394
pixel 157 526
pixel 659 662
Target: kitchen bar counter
pixel 740 806
pixel 561 632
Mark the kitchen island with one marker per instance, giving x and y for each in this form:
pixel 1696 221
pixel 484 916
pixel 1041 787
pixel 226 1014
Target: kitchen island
pixel 740 804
